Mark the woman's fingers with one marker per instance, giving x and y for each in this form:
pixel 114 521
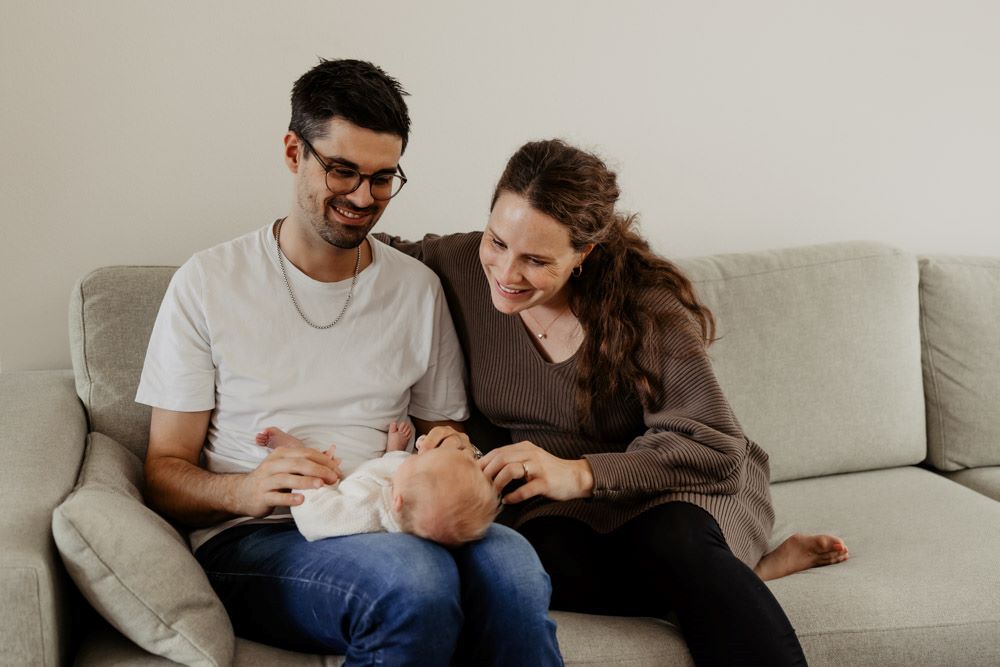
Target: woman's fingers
pixel 494 460
pixel 543 473
pixel 536 487
pixel 506 475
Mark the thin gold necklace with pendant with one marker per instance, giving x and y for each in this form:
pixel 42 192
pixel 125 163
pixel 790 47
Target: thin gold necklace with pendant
pixel 545 330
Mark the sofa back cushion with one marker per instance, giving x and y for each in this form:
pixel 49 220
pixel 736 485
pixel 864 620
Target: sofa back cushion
pixel 960 323
pixel 111 315
pixel 819 354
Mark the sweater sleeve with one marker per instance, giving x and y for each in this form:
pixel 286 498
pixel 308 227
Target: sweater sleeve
pixel 445 255
pixel 414 249
pixel 693 441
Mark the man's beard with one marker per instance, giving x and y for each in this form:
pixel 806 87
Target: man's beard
pixel 340 235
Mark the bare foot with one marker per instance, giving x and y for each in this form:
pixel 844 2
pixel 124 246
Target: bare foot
pixel 398 437
pixel 274 437
pixel 801 552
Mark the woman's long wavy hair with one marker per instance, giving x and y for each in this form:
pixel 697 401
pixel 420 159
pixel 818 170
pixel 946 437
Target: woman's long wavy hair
pixel 578 190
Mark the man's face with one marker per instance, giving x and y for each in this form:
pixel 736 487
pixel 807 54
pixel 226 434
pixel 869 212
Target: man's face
pixel 343 220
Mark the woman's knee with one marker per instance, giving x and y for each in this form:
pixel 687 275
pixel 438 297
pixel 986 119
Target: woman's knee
pixel 678 535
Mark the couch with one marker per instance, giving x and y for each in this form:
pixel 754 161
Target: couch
pixel 871 376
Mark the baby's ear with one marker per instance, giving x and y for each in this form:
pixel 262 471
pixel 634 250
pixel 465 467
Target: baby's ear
pixel 397 501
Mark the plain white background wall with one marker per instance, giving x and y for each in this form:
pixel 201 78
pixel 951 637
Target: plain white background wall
pixel 138 132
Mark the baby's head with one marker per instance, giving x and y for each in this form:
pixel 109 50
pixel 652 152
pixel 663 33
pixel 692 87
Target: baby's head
pixel 442 495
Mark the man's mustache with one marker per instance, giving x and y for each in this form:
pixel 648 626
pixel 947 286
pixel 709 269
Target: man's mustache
pixel 346 205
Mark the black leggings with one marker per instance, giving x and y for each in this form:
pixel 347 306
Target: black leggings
pixel 669 559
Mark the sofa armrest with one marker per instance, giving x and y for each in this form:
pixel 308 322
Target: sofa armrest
pixel 42 438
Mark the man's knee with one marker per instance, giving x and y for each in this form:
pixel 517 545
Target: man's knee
pixel 503 566
pixel 425 582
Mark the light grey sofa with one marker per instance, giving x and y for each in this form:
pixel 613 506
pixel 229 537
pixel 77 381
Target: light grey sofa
pixel 872 377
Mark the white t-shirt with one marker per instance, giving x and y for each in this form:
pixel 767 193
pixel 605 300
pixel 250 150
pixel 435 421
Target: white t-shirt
pixel 359 503
pixel 227 338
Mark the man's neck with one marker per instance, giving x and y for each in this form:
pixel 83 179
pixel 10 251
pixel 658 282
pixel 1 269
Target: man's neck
pixel 318 259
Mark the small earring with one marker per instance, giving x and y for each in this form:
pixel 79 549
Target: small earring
pixel 577 270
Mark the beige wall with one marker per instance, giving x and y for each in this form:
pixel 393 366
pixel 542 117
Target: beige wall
pixel 140 132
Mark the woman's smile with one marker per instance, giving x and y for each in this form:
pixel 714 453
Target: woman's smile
pixel 511 292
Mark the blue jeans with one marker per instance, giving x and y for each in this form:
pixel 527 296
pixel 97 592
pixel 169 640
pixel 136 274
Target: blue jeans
pixel 386 598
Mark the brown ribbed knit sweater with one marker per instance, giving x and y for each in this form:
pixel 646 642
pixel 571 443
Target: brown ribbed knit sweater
pixel 688 447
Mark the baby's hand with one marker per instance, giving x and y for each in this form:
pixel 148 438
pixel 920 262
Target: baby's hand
pixel 398 437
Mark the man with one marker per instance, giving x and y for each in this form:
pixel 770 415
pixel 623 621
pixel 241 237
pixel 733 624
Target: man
pixel 311 325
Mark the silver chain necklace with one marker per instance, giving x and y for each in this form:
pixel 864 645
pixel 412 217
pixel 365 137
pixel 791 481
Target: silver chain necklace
pixel 288 285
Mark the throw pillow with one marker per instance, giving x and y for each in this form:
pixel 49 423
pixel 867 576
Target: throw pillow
pixel 133 567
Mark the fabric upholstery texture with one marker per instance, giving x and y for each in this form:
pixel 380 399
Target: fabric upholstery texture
pixel 133 567
pixel 920 587
pixel 36 596
pixel 104 647
pixel 984 480
pixel 819 354
pixel 960 317
pixel 586 640
pixel 111 315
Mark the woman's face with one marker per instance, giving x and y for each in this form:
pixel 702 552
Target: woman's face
pixel 527 256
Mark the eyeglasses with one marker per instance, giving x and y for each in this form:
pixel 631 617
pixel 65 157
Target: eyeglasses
pixel 343 180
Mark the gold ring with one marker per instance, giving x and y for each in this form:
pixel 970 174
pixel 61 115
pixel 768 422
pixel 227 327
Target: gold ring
pixel 524 467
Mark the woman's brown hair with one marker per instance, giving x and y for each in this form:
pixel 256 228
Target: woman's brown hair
pixel 578 190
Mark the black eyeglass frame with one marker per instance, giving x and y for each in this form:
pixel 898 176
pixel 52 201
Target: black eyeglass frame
pixel 327 168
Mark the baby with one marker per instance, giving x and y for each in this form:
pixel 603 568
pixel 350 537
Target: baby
pixel 438 494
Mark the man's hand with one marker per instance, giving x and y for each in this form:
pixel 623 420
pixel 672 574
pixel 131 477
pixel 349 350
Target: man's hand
pixel 271 484
pixel 177 486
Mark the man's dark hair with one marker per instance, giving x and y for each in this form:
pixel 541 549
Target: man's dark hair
pixel 355 90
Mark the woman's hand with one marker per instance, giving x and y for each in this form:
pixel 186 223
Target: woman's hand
pixel 544 474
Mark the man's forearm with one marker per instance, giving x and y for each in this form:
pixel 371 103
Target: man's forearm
pixel 191 495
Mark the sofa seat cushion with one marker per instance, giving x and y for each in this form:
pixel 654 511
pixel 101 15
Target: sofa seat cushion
pixel 960 323
pixel 584 639
pixel 105 646
pixel 133 567
pixel 919 589
pixel 921 586
pixel 983 480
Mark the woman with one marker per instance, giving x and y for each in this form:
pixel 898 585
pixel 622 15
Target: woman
pixel 639 490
